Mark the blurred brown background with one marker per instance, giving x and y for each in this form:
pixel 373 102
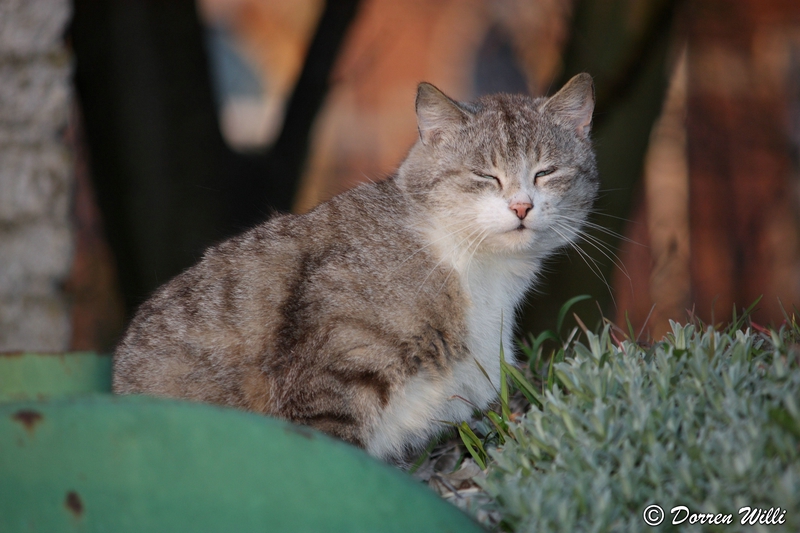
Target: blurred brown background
pixel 133 134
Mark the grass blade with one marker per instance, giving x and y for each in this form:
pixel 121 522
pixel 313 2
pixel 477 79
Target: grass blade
pixel 536 347
pixel 523 385
pixel 562 314
pixel 473 444
pixel 503 386
pixel 499 424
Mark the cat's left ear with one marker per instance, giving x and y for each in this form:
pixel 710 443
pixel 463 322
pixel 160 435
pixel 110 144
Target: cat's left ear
pixel 437 115
pixel 574 103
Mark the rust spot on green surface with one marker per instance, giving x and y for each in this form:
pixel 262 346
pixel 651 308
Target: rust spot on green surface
pixel 74 504
pixel 28 418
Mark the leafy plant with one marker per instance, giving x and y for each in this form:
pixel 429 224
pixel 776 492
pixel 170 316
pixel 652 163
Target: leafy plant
pixel 497 422
pixel 706 419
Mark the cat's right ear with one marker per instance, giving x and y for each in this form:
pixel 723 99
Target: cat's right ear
pixel 437 115
pixel 574 103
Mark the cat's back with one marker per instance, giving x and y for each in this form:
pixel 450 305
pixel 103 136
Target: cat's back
pixel 212 317
pixel 353 266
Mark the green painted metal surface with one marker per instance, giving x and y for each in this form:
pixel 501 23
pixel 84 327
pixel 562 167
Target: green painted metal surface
pixel 107 463
pixel 29 376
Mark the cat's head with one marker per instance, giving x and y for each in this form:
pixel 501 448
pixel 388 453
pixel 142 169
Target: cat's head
pixel 506 172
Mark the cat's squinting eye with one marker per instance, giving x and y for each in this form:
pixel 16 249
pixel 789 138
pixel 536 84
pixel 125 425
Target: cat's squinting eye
pixel 543 173
pixel 487 176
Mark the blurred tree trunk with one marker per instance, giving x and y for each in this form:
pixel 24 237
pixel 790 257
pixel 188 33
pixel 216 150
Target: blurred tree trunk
pixel 97 311
pixel 156 154
pixel 36 180
pixel 657 255
pixel 725 155
pixel 743 185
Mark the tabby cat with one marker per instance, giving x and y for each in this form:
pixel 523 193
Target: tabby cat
pixel 374 316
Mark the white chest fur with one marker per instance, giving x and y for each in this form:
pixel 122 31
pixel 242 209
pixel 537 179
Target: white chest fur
pixel 495 287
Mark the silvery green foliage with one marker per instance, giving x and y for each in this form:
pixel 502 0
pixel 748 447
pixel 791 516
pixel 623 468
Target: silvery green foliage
pixel 704 419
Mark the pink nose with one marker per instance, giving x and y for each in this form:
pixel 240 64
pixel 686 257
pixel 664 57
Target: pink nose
pixel 521 209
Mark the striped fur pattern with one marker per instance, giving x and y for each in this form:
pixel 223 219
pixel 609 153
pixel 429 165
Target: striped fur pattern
pixel 369 317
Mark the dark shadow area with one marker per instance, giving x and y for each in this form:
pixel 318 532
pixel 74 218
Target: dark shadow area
pixel 167 184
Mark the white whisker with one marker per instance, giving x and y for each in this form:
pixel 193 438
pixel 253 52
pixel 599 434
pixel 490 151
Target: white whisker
pixel 599 245
pixel 431 243
pixel 455 247
pixel 481 237
pixel 596 227
pixel 594 267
